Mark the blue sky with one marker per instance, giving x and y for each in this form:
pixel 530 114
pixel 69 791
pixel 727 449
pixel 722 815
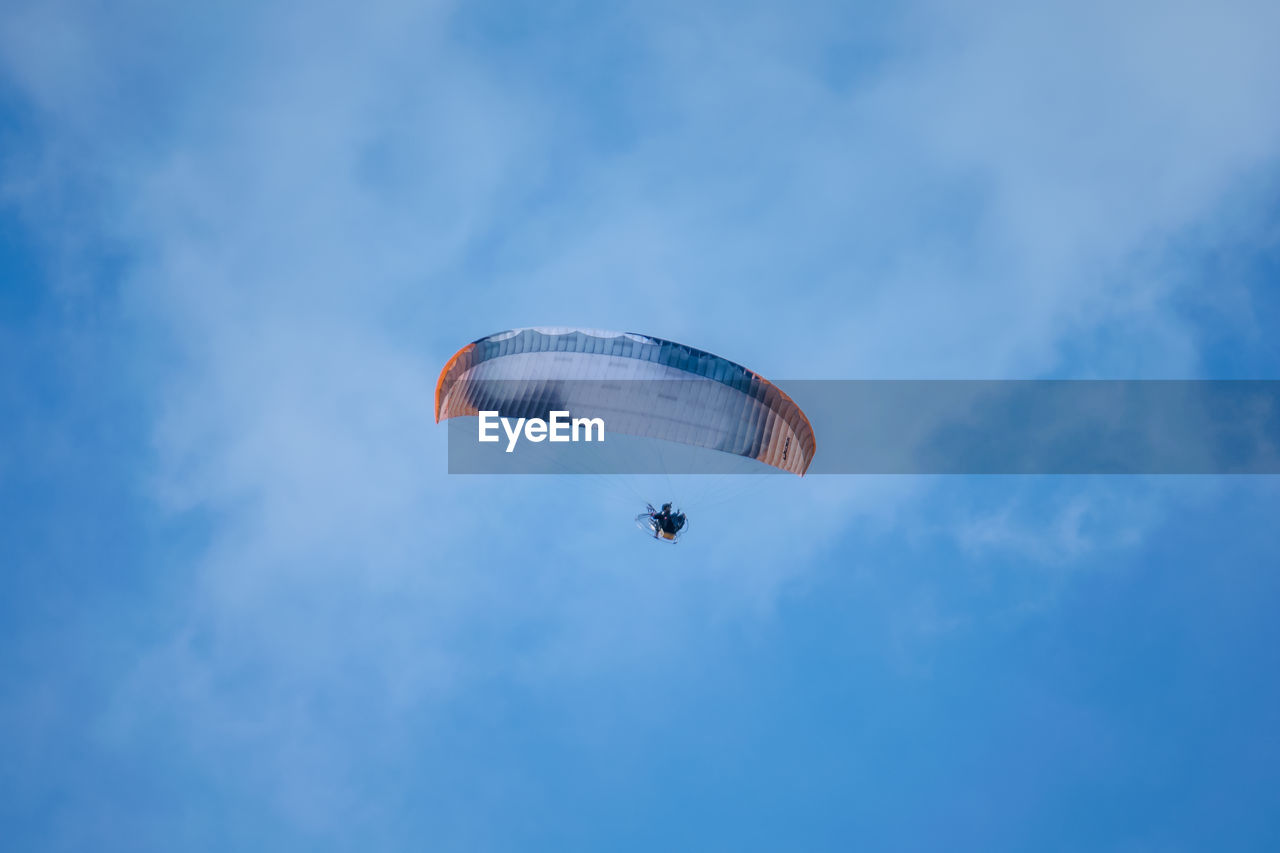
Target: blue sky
pixel 244 607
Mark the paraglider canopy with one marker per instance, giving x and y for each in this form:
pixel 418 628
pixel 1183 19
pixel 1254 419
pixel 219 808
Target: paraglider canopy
pixel 651 388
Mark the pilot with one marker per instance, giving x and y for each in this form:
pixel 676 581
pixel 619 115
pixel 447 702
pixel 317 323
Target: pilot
pixel 667 521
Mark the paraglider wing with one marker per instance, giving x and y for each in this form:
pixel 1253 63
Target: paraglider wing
pixel 682 394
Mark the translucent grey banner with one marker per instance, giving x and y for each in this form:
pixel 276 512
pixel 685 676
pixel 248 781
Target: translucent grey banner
pixel 901 427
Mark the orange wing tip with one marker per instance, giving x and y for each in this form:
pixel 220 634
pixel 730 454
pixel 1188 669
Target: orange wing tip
pixel 444 374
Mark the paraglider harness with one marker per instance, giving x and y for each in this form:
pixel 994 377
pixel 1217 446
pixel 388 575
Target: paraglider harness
pixel 665 523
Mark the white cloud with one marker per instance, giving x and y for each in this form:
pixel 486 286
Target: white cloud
pixel 320 206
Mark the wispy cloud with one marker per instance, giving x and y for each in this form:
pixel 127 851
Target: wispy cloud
pixel 316 205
